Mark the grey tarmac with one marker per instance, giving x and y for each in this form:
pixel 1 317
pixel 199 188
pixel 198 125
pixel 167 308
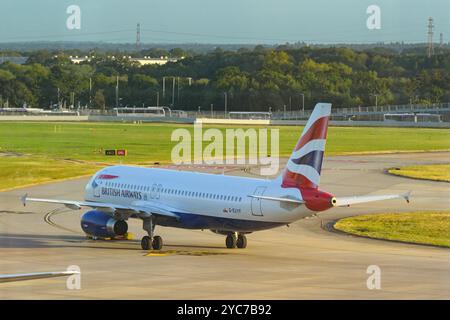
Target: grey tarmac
pixel 303 261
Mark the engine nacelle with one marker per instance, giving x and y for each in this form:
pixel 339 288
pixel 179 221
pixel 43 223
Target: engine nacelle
pixel 100 225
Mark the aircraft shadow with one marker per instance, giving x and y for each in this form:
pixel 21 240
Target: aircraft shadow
pixel 9 240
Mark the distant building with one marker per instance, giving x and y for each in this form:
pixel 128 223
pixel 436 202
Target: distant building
pixel 148 60
pixel 78 60
pixel 142 61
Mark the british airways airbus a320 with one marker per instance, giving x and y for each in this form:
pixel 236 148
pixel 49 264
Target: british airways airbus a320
pixel 228 205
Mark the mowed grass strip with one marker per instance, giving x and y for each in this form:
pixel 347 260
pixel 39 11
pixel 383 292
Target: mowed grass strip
pixel 48 144
pixel 435 172
pixel 29 170
pixel 148 143
pixel 423 227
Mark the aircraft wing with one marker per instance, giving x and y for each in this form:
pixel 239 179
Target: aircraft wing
pixel 347 201
pixel 154 208
pixel 140 208
pixel 36 275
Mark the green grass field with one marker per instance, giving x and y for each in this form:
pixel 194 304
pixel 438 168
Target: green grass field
pixel 46 143
pixel 25 170
pixel 151 142
pixel 436 172
pixel 416 227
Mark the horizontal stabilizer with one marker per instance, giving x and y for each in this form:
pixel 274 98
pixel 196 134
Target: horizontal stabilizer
pixel 347 201
pixel 290 200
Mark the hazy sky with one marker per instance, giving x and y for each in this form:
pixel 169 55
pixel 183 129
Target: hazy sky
pixel 223 21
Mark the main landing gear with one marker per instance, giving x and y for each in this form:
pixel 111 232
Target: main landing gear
pixel 150 241
pixel 234 240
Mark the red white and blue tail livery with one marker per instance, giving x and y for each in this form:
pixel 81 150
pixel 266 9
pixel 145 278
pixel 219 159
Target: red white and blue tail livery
pixel 228 205
pixel 304 166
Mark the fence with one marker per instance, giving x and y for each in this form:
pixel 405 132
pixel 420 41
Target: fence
pixel 372 113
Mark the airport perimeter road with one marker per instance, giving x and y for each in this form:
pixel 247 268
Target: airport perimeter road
pixel 303 261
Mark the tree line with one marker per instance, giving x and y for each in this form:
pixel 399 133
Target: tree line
pixel 255 79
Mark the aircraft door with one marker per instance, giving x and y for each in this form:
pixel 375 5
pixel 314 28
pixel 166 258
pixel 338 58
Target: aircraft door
pixel 96 188
pixel 256 203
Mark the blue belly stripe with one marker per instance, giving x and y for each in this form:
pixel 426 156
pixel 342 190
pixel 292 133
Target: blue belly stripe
pixel 196 221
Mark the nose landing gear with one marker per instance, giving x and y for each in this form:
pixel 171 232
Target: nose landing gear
pixel 150 241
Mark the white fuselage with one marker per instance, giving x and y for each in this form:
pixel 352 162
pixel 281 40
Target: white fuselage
pixel 203 201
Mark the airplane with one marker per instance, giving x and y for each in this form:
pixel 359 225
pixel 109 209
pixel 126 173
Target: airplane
pixel 227 205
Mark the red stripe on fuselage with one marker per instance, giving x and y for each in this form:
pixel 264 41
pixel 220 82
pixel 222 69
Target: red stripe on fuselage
pixel 106 177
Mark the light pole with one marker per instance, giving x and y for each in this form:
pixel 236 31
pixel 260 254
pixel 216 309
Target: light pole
pixel 164 87
pixel 157 98
pixel 303 103
pixel 173 92
pixel 413 100
pixel 72 100
pixel 117 91
pixel 90 93
pixel 376 99
pixel 178 91
pixel 59 107
pixel 226 102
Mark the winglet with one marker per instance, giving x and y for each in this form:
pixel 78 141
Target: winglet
pixel 407 196
pixel 23 199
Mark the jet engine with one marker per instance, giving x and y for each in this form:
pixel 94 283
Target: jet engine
pixel 100 225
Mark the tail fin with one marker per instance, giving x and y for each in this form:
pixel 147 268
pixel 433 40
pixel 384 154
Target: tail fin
pixel 304 166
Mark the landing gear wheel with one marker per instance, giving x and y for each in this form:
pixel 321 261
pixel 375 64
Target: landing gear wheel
pixel 157 243
pixel 146 243
pixel 230 241
pixel 241 242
